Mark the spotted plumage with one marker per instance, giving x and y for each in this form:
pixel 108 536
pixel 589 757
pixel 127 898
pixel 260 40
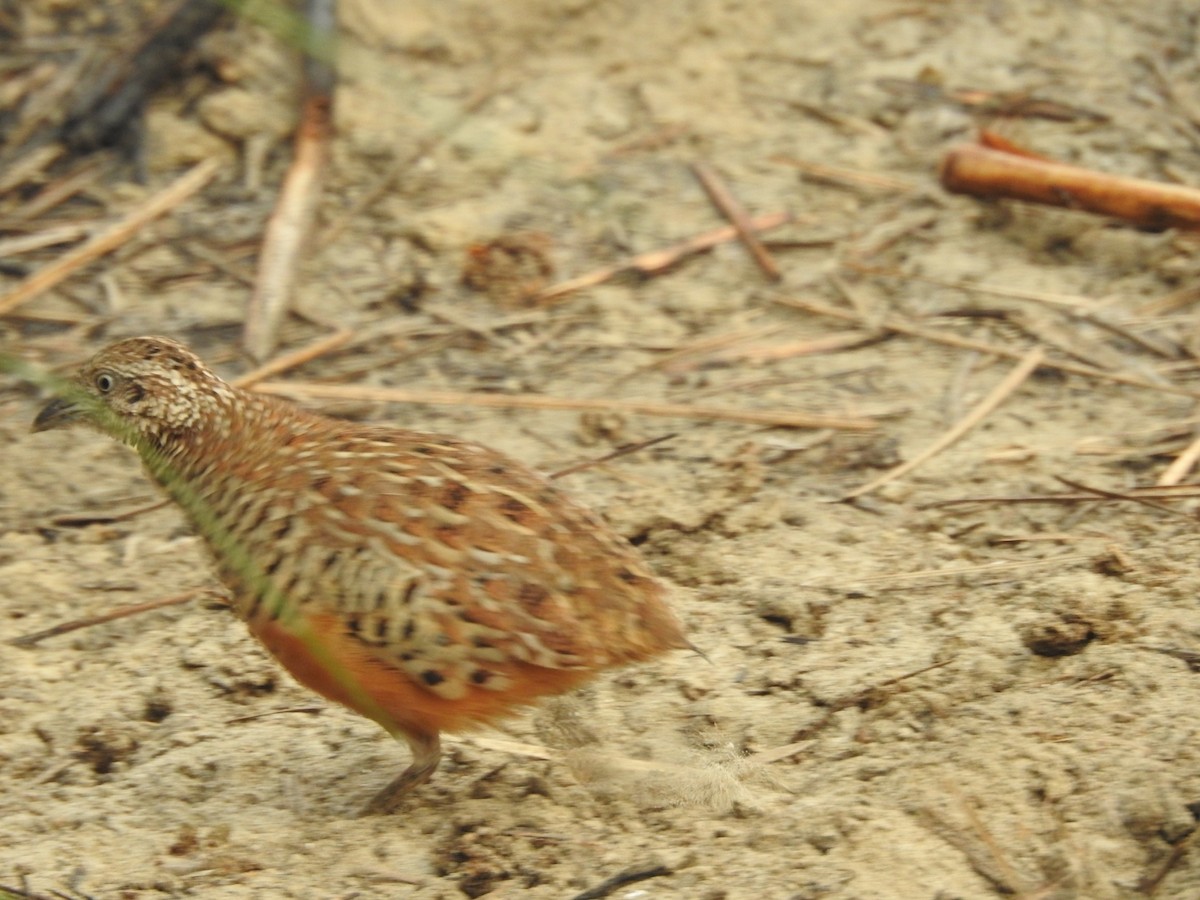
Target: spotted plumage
pixel 427 582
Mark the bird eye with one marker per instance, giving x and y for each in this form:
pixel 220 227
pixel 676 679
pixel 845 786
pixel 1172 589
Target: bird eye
pixel 104 382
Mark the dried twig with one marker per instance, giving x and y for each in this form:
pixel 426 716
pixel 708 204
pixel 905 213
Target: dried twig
pixel 982 410
pixel 1001 873
pixel 1181 465
pixel 1150 884
pixel 81 520
pixel 841 175
pixel 121 612
pixel 762 351
pixel 656 261
pixel 777 754
pixel 992 103
pixel 660 137
pixel 872 693
pixel 28 243
pixel 1079 307
pixel 630 876
pixel 728 205
pixel 683 357
pixel 869 693
pixel 111 238
pixel 770 417
pixel 987 173
pixel 58 192
pixel 290 223
pixel 623 450
pixel 297 357
pixel 1066 301
pixel 23 893
pixel 898 325
pixel 1115 495
pixel 981 569
pixel 311 710
pixel 26 167
pixel 1188 491
pixel 1191 657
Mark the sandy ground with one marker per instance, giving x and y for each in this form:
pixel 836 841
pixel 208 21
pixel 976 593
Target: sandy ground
pixel 973 699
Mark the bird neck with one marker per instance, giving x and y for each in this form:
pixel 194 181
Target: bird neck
pixel 241 429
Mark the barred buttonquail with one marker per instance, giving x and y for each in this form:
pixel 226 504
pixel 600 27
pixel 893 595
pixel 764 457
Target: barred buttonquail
pixel 426 582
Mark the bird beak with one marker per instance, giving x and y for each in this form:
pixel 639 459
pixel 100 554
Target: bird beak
pixel 60 412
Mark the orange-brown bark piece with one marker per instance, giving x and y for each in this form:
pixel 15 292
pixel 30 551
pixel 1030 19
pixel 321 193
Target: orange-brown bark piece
pixel 987 173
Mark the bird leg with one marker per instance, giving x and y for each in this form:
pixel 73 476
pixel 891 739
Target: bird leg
pixel 427 753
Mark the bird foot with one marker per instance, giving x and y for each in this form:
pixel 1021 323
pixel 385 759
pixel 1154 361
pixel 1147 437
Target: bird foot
pixel 387 800
pixel 427 754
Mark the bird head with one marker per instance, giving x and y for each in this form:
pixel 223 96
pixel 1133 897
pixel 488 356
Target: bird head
pixel 144 388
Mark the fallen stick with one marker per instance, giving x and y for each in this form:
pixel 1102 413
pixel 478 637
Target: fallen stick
pixel 1185 492
pixel 1087 308
pixel 298 357
pixel 987 173
pixel 1117 495
pixel 1181 466
pixel 58 192
pixel 897 578
pixel 1009 104
pixel 286 231
pixel 688 356
pixel 311 710
pixel 28 243
pixel 291 222
pixel 655 261
pixel 770 417
pixel 728 205
pixel 121 612
pixel 629 876
pixel 762 351
pixel 81 520
pixel 623 450
pixel 981 411
pixel 1073 302
pixel 1150 883
pixel 898 325
pixel 111 238
pixel 840 175
pixel 25 167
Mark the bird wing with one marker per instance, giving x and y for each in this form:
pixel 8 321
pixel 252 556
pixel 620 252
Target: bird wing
pixel 461 576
